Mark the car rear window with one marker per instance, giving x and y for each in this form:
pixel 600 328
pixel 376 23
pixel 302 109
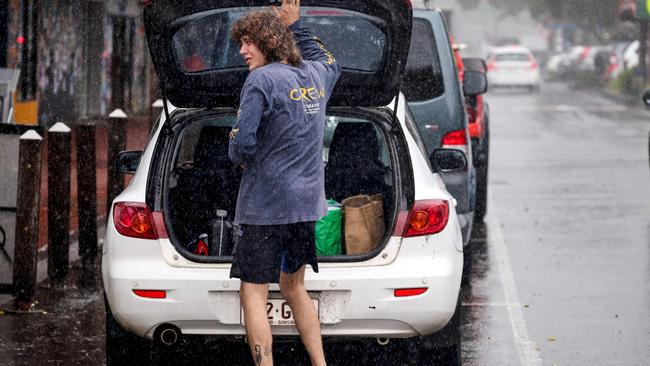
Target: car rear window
pixel 203 43
pixel 512 57
pixel 188 143
pixel 423 77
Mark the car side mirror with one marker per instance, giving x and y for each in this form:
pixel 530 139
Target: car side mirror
pixel 127 161
pixel 475 64
pixel 448 160
pixel 474 83
pixel 646 98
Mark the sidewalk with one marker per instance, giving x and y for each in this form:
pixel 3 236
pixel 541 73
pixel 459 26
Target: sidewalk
pixel 65 327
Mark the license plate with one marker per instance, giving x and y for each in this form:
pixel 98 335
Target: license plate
pixel 279 312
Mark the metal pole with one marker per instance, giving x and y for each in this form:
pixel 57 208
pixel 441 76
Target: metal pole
pixel 58 202
pixel 87 192
pixel 118 60
pixel 116 143
pixel 27 202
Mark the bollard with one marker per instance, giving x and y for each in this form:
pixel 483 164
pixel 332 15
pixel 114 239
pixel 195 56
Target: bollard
pixel 156 111
pixel 58 202
pixel 27 204
pixel 116 143
pixel 87 192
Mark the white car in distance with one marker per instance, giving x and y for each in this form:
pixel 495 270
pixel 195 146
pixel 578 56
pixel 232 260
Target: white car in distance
pixel 513 66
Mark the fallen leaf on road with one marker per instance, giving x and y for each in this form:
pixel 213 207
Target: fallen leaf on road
pixel 552 339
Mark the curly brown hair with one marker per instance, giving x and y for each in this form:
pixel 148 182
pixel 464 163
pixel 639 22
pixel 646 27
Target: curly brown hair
pixel 269 34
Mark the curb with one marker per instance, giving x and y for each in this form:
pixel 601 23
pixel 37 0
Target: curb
pixel 627 100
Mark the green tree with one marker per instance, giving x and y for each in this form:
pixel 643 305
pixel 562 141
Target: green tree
pixel 589 15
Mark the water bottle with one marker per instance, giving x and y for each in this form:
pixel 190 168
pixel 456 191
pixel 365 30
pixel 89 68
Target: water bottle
pixel 220 243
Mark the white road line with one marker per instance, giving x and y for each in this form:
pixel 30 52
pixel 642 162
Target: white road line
pixel 527 349
pixel 569 108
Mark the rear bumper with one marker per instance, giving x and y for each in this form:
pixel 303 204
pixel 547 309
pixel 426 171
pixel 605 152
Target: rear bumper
pixel 514 79
pixel 353 301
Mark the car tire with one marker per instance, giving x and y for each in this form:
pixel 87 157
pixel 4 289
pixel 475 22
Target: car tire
pixel 444 346
pixel 122 347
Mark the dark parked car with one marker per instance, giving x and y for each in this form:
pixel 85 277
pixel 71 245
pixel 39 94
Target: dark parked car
pixel 479 131
pixel 436 99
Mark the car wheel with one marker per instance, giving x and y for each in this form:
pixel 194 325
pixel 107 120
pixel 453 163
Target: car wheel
pixel 122 347
pixel 444 346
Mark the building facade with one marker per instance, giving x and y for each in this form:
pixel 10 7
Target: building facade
pixel 77 58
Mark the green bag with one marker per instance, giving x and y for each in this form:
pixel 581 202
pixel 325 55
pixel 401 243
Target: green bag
pixel 329 237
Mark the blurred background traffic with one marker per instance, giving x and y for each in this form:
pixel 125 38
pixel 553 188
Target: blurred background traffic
pixel 586 43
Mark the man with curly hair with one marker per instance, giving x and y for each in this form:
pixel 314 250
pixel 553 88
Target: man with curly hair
pixel 278 142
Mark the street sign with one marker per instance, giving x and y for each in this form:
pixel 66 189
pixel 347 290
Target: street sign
pixel 643 9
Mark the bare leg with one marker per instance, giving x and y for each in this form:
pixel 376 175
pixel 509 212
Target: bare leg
pixel 307 322
pixel 253 298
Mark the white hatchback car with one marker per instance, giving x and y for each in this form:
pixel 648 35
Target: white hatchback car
pixel 513 66
pixel 159 284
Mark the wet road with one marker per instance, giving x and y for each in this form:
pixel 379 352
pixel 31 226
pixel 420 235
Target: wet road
pixel 560 270
pixel 562 267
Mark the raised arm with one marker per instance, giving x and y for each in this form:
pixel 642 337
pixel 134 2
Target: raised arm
pixel 311 47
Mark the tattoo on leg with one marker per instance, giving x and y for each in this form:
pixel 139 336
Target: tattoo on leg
pixel 268 352
pixel 258 355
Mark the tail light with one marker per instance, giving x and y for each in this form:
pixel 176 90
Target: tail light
pixel 533 65
pixel 584 54
pixel 492 66
pixel 135 220
pixel 427 217
pixel 456 140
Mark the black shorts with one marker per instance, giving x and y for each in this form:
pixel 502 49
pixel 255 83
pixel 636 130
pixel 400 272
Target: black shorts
pixel 263 250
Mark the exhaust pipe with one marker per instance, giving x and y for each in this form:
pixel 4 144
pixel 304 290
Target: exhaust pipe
pixel 383 341
pixel 167 335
